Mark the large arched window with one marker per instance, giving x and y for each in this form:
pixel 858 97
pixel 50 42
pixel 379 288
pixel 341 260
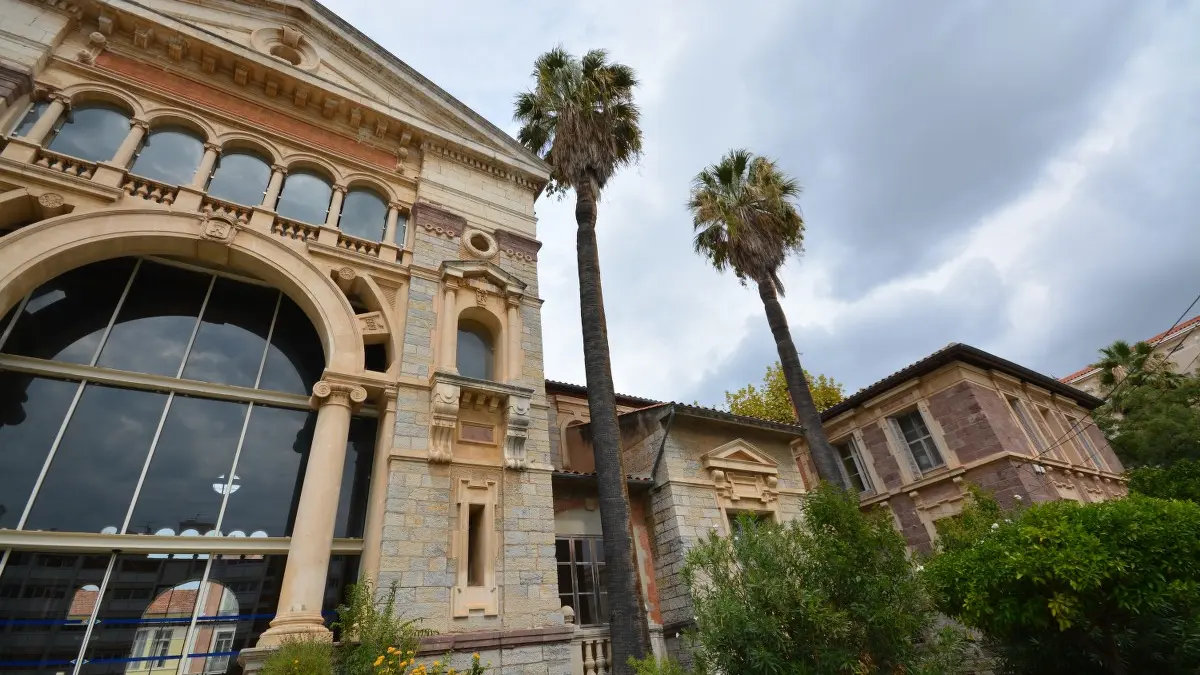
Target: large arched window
pixel 216 445
pixel 475 353
pixel 305 197
pixel 30 118
pixel 91 132
pixel 169 154
pixel 241 177
pixel 364 214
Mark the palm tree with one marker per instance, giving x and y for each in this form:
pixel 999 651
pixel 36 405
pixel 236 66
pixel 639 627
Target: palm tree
pixel 1135 366
pixel 745 218
pixel 581 119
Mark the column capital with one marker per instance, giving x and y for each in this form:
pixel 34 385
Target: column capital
pixel 279 168
pixel 452 283
pixel 214 147
pixel 513 301
pixel 338 393
pixel 58 96
pixel 139 123
pixel 396 205
pixel 339 188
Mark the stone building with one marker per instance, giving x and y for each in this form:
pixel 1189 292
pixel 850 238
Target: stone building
pixel 914 440
pixel 1180 346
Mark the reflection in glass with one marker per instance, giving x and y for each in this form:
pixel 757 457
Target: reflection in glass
pixel 241 177
pixel 474 354
pixel 233 334
pixel 364 214
pixel 305 198
pixel 154 325
pixel 191 461
pixel 90 481
pixel 356 478
pixel 170 155
pixel 31 412
pixel 31 117
pixel 65 317
pixel 45 603
pixel 295 359
pixel 91 132
pixel 270 468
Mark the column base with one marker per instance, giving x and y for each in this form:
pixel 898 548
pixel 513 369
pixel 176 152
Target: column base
pixel 295 626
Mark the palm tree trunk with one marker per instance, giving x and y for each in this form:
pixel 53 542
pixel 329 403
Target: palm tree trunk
pixel 629 631
pixel 825 459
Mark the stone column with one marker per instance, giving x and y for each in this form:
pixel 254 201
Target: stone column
pixel 512 365
pixel 335 206
pixel 449 345
pixel 59 104
pixel 389 230
pixel 303 587
pixel 137 131
pixel 207 162
pixel 274 187
pixel 377 496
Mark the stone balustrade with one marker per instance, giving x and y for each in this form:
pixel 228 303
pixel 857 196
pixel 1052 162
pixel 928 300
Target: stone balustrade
pixel 591 651
pixel 64 163
pixel 149 190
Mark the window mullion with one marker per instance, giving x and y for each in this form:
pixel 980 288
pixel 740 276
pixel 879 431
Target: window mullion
pixel 87 633
pixel 62 428
pixel 187 351
pixel 191 629
pixel 262 363
pixel 137 489
pixel 16 315
pixel 237 454
pixel 117 310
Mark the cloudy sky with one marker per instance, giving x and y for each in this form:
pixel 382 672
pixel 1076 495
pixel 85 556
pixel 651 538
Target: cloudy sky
pixel 1022 176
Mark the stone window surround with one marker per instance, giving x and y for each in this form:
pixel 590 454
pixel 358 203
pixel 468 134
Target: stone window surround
pixel 757 478
pixel 898 446
pixel 1007 386
pixel 865 461
pixel 483 597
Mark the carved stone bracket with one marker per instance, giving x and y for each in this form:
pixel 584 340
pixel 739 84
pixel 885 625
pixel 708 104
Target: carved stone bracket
pixel 443 408
pixel 515 433
pixel 454 397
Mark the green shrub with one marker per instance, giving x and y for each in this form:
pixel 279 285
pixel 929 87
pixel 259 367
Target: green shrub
pixel 369 627
pixel 300 657
pixel 653 666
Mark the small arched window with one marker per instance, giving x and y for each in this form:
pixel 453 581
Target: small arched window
pixel 91 132
pixel 475 354
pixel 305 197
pixel 31 117
pixel 364 214
pixel 170 155
pixel 241 177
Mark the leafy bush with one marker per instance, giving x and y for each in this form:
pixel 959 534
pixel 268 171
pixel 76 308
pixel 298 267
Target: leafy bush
pixel 653 666
pixel 369 628
pixel 300 657
pixel 1181 480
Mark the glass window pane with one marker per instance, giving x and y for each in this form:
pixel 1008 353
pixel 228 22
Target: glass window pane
pixel 45 602
pixel 474 354
pixel 251 585
pixel 401 224
pixel 356 478
pixel 91 132
pixel 586 612
pixel 91 479
pixel 241 177
pixel 189 471
pixel 270 469
pixel 170 155
pixel 65 317
pixel 305 198
pixel 31 117
pixel 233 334
pixel 31 413
pixel 364 214
pixel 295 358
pixel 562 550
pixel 584 582
pixel 343 571
pixel 565 583
pixel 154 325
pixel 145 614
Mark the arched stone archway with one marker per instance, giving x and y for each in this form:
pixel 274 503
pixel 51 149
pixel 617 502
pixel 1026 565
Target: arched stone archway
pixel 38 253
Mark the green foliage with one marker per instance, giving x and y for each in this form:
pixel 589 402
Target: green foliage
pixel 369 627
pixel 300 657
pixel 771 401
pixel 1155 423
pixel 834 593
pixel 1137 366
pixel 653 666
pixel 1065 587
pixel 1181 480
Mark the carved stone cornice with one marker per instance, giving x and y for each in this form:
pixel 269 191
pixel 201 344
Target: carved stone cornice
pixel 326 393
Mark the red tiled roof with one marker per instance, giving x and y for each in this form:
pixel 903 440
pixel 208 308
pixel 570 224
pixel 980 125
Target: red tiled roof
pixel 1154 342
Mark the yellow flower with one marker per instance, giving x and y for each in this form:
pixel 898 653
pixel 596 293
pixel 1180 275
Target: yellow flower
pixel 437 663
pixel 475 656
pixel 379 660
pixel 296 661
pixel 410 652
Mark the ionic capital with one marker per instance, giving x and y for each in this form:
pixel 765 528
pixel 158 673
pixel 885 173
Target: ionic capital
pixel 279 168
pixel 338 393
pixel 135 122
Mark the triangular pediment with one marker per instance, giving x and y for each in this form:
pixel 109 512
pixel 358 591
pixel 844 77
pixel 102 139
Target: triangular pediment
pixel 740 455
pixel 335 58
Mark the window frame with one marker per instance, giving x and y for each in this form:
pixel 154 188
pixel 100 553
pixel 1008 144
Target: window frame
pixel 1091 453
pixel 931 445
pixel 1017 407
pixel 860 464
pixel 597 543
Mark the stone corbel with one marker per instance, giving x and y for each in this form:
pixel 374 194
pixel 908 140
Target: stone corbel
pixel 516 432
pixel 443 408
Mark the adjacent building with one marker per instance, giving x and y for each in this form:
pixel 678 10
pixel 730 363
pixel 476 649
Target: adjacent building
pixel 1179 345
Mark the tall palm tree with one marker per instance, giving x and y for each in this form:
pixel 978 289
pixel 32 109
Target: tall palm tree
pixel 581 119
pixel 745 218
pixel 1134 365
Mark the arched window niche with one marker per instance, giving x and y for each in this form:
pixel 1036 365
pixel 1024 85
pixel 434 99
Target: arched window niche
pixel 170 154
pixel 478 335
pixel 305 197
pixel 91 132
pixel 241 176
pixel 364 214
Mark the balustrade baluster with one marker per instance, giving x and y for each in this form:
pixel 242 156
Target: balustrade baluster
pixel 589 658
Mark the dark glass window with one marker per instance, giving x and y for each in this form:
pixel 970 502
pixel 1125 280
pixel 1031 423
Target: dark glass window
pixel 155 323
pixel 189 470
pixel 170 155
pixel 45 603
pixel 241 177
pixel 295 358
pixel 582 579
pixel 305 198
pixel 401 224
pixel 31 413
pixel 91 479
pixel 356 478
pixel 270 471
pixel 852 465
pixel 364 214
pixel 232 336
pixel 65 317
pixel 91 132
pixel 920 443
pixel 474 355
pixel 31 117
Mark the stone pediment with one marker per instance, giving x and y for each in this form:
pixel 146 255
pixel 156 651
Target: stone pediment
pixel 486 273
pixel 299 47
pixel 740 456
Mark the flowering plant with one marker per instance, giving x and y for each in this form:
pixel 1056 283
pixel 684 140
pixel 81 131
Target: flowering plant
pixel 398 662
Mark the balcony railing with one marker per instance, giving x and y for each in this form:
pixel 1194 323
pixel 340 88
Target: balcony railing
pixel 591 652
pixel 64 163
pixel 294 229
pixel 357 245
pixel 150 190
pixel 212 205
